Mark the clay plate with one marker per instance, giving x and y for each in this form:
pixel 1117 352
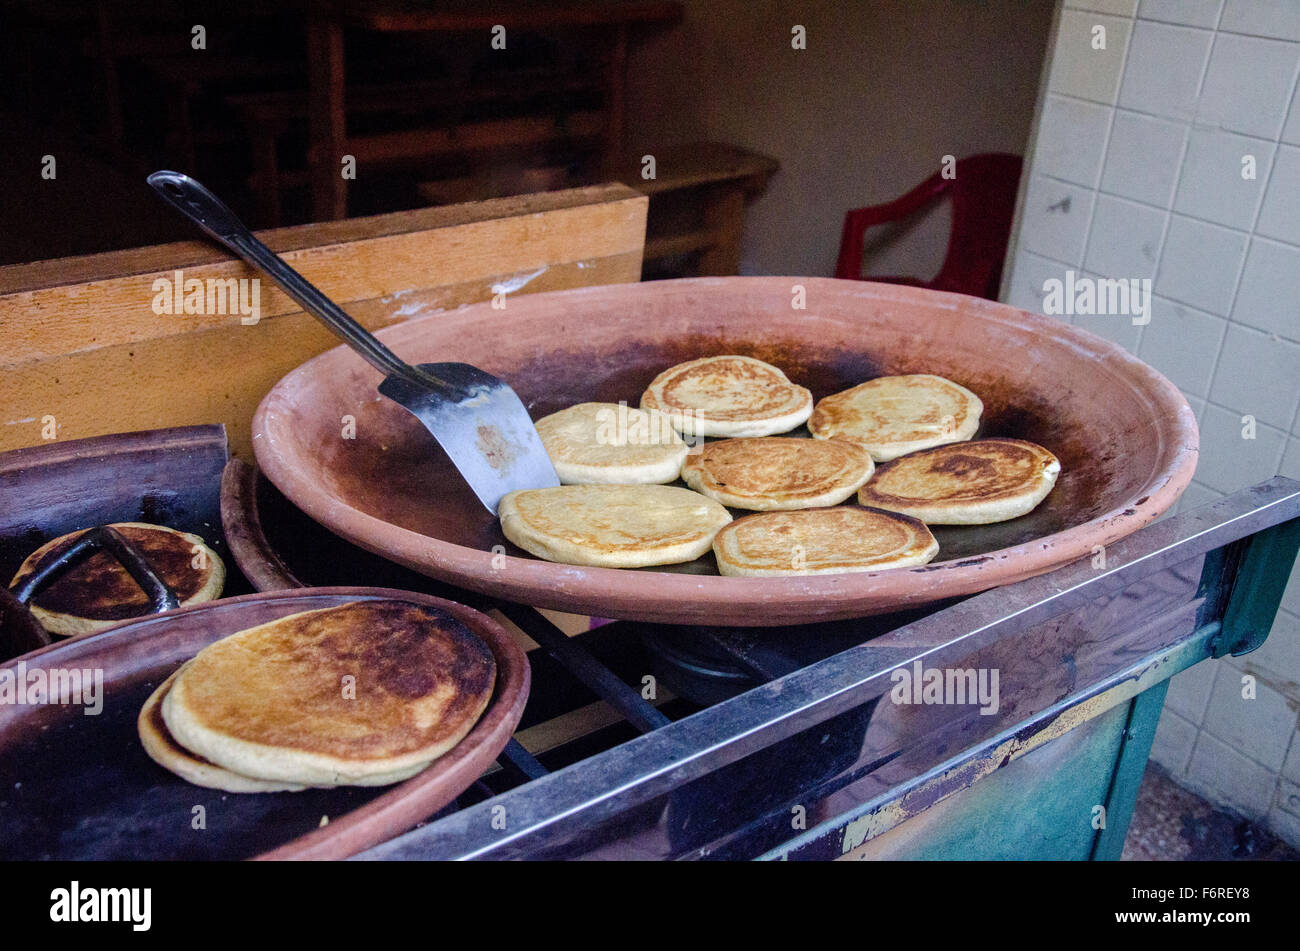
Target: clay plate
pixel 74 786
pixel 1126 438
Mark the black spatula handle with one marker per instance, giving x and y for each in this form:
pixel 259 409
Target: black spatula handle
pixel 211 214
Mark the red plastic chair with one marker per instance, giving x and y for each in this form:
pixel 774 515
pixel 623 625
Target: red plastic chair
pixel 983 197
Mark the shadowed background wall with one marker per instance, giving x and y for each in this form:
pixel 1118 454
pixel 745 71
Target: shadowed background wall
pixel 883 91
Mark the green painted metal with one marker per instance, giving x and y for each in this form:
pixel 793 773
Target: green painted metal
pixel 1023 811
pixel 1042 809
pixel 1039 807
pixel 1126 779
pixel 1266 562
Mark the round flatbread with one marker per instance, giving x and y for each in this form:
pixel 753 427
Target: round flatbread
pixel 365 694
pixel 171 756
pixel 822 541
pixel 612 444
pixel 891 416
pixel 612 526
pixel 973 483
pixel 771 472
pixel 99 592
pixel 728 396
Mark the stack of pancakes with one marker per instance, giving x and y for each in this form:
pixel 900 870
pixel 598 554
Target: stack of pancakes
pixel 614 509
pixel 364 694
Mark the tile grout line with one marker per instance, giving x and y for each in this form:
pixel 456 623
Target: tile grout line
pixel 1221 334
pixel 1226 321
pixel 1170 211
pixel 1165 227
pixel 1183 120
pixel 1105 152
pixel 1241 270
pixel 1217 28
pixel 1110 122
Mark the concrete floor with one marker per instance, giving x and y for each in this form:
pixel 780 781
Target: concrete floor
pixel 1172 824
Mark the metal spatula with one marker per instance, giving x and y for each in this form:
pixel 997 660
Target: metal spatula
pixel 476 418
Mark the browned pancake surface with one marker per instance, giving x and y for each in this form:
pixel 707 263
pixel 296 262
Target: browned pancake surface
pixel 778 468
pixel 765 392
pixel 101 589
pixel 810 541
pixel 421 677
pixel 982 471
pixel 915 406
pixel 163 749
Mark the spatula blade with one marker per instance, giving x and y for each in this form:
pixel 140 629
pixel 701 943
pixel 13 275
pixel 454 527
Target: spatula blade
pixel 487 433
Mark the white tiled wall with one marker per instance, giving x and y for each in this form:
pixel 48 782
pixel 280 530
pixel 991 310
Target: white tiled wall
pixel 1136 172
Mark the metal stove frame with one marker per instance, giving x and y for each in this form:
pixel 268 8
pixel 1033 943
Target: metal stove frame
pixel 821 763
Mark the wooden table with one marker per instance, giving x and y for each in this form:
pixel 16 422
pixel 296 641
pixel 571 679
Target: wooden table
pixel 327 107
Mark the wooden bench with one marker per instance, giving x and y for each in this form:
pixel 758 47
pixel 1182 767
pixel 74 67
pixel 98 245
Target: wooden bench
pixel 86 354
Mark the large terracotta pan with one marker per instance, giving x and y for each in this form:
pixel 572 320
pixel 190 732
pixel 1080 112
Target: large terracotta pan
pixel 364 468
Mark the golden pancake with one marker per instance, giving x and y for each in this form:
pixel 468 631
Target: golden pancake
pixel 612 526
pixel 611 444
pixel 728 396
pixel 973 483
pixel 822 541
pixel 99 592
pixel 171 756
pixel 364 694
pixel 772 472
pixel 891 416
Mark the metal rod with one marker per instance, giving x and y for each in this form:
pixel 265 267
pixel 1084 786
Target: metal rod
pixel 103 538
pixel 579 662
pixel 640 769
pixel 212 215
pixel 521 763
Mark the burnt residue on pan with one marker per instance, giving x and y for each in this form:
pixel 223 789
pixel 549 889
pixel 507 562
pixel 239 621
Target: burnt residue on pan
pixel 559 378
pixel 397 472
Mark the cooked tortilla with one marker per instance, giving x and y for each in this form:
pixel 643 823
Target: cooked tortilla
pixel 275 702
pixel 972 483
pixel 728 396
pixel 99 592
pixel 773 472
pixel 612 526
pixel 612 444
pixel 822 541
pixel 891 416
pixel 171 756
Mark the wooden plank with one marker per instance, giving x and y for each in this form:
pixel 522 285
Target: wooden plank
pixel 163 257
pixel 668 245
pixel 328 119
pixel 522 132
pixel 93 354
pixel 679 167
pixel 91 308
pixel 398 17
pixel 283 106
pixel 725 216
